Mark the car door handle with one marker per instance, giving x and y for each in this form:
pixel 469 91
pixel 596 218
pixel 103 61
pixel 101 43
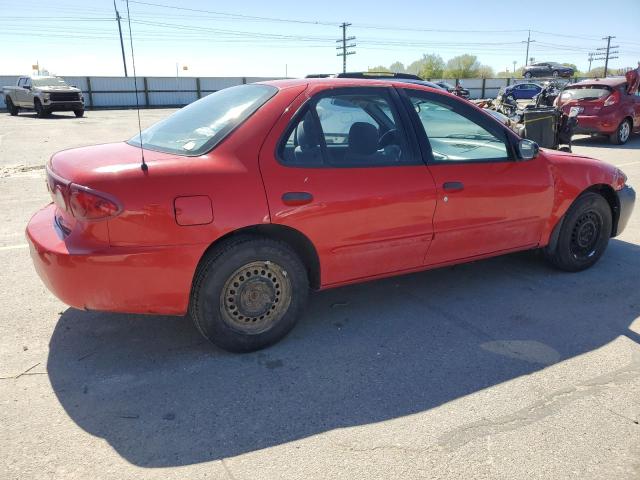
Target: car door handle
pixel 452 186
pixel 296 198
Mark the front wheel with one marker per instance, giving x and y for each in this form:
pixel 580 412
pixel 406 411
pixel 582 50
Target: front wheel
pixel 584 234
pixel 79 113
pixel 41 112
pixel 248 293
pixel 622 133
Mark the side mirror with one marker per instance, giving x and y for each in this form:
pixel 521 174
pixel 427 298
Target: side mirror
pixel 28 87
pixel 528 149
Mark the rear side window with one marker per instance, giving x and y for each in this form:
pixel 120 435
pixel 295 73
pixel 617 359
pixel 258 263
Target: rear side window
pixel 200 126
pixel 360 129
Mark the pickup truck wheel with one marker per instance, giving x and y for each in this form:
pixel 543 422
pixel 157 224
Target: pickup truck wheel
pixel 40 110
pixel 584 234
pixel 622 133
pixel 13 110
pixel 248 293
pixel 79 113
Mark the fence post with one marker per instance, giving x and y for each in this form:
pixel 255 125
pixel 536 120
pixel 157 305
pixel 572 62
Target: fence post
pixel 508 81
pixel 89 91
pixel 484 82
pixel 198 91
pixel 146 92
pixel 244 80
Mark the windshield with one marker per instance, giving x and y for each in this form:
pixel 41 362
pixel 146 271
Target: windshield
pixel 586 92
pixel 200 126
pixel 48 82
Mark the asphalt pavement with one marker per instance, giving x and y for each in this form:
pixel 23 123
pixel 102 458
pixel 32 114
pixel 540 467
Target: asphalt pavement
pixel 497 369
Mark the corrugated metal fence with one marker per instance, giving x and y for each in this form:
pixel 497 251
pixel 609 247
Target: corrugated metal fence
pixel 114 92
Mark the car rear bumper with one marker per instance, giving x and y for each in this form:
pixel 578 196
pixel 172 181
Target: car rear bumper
pixel 627 199
pixel 605 124
pixel 118 279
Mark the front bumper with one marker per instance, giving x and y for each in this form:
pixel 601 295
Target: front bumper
pixel 118 279
pixel 64 106
pixel 627 200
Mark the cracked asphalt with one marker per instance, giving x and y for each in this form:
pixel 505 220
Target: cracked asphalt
pixel 498 369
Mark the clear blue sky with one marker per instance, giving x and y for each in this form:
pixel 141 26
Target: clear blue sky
pixel 74 37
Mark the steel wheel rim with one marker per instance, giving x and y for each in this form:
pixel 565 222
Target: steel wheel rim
pixel 255 297
pixel 585 235
pixel 624 132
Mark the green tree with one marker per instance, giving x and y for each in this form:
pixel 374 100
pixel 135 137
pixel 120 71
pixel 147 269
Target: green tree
pixel 463 66
pixel 397 67
pixel 485 71
pixel 432 66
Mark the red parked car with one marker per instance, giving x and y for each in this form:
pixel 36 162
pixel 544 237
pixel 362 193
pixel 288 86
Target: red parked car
pixel 609 106
pixel 257 193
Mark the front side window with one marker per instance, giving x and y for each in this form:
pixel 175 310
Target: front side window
pixel 454 137
pixel 348 130
pixel 201 125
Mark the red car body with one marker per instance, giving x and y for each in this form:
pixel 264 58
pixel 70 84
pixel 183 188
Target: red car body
pixel 606 114
pixel 353 224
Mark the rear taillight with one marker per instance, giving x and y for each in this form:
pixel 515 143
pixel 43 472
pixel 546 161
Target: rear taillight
pixel 87 204
pixel 612 99
pixel 82 202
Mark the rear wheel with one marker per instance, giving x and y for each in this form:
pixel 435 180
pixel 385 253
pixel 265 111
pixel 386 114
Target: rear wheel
pixel 527 75
pixel 622 133
pixel 584 234
pixel 248 293
pixel 13 110
pixel 555 73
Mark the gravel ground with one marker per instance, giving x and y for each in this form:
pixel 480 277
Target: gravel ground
pixel 497 369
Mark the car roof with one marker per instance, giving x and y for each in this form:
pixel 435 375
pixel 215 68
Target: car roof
pixel 332 82
pixel 609 82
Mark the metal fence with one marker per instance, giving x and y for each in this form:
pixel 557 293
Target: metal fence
pixel 120 92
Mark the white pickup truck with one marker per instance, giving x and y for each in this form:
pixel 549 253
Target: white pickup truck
pixel 44 95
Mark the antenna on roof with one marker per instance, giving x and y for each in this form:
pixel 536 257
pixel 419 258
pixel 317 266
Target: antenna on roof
pixel 143 166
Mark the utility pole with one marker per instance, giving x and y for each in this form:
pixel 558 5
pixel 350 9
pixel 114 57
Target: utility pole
pixel 527 41
pixel 591 55
pixel 605 53
pixel 124 61
pixel 514 66
pixel 343 50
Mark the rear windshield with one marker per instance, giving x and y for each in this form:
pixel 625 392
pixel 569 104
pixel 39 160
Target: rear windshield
pixel 200 126
pixel 586 92
pixel 48 82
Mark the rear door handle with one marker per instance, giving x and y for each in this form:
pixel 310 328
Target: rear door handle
pixel 452 186
pixel 296 198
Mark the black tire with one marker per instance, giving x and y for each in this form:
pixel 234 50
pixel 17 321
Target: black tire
pixel 622 133
pixel 584 234
pixel 41 112
pixel 248 293
pixel 527 75
pixel 13 110
pixel 79 113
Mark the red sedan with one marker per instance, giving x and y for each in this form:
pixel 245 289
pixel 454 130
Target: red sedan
pixel 253 195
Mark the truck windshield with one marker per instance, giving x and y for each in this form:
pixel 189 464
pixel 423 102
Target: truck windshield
pixel 586 92
pixel 48 82
pixel 200 126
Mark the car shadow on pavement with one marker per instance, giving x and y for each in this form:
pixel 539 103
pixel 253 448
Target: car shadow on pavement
pixel 161 396
pixel 601 141
pixel 51 116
